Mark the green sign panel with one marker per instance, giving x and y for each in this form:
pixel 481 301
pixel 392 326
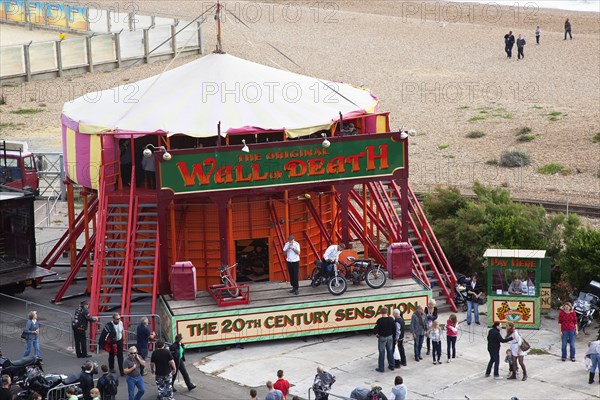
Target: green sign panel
pixel 291 163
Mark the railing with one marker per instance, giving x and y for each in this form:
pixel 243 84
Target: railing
pixel 130 336
pixel 32 306
pixel 279 237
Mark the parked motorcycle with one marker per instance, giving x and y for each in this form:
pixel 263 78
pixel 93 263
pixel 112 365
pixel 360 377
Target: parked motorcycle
pixel 332 277
pixel 364 270
pixel 37 381
pixel 586 305
pixel 17 369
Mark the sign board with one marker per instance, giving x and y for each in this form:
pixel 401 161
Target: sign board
pixel 545 297
pixel 277 322
pixel 523 312
pixel 287 163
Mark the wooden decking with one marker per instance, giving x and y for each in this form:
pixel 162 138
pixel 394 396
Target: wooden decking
pixel 269 294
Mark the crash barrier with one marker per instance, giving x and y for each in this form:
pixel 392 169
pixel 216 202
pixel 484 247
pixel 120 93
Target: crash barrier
pixel 102 40
pixel 130 339
pixel 54 323
pixel 310 389
pixel 58 392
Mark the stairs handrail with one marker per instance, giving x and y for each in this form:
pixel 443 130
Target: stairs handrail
pixel 280 237
pixel 315 215
pixel 81 258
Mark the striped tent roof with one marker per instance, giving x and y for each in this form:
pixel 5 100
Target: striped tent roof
pixel 244 96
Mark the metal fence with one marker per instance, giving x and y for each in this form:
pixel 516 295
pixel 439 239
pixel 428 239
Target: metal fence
pixel 130 338
pixel 110 40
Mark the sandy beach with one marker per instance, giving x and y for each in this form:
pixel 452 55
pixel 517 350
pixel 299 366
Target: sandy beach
pixel 437 67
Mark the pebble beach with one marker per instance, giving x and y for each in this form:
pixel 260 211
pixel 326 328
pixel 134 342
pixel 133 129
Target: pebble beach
pixel 437 67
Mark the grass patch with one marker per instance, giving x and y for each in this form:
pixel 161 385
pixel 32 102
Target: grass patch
pixel 443 146
pixel 514 158
pixel 507 116
pixel 477 118
pixel 524 130
pixel 492 162
pixel 463 107
pixel 10 125
pixel 525 138
pixel 475 134
pixel 536 107
pixel 554 168
pixel 555 114
pixel 27 111
pixel 537 352
pixel 483 112
pixel 596 138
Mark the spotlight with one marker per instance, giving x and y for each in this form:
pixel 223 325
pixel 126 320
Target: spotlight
pixel 412 132
pixel 403 135
pixel 326 143
pixel 245 149
pixel 148 153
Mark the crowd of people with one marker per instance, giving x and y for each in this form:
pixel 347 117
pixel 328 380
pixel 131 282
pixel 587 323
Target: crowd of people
pixel 509 40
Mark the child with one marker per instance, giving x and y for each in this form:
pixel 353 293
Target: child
pixel 71 393
pixel 435 334
pixel 95 393
pixel 509 360
pixel 451 334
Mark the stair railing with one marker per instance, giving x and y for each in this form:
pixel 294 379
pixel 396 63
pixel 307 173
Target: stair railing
pixel 279 236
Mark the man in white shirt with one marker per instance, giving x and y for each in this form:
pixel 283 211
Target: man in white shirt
pixel 292 257
pixel 117 348
pixel 331 256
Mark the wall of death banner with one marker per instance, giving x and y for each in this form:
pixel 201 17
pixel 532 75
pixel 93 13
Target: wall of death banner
pixel 249 325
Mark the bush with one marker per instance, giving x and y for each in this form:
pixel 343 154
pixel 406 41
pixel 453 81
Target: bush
pixel 580 262
pixel 524 131
pixel 514 158
pixel 491 162
pixel 475 134
pixel 525 138
pixel 553 168
pixel 596 138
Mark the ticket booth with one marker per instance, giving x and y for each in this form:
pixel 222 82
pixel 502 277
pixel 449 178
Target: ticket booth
pixel 515 282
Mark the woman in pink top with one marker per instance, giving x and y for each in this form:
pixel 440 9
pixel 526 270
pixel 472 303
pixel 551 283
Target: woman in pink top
pixel 451 334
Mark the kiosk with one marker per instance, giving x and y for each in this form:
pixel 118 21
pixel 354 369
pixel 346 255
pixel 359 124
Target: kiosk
pixel 514 285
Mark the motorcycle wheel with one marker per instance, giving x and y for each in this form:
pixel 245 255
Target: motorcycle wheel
pixel 315 278
pixel 337 285
pixel 375 277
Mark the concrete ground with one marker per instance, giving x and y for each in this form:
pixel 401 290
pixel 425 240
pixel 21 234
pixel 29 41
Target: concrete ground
pixel 230 373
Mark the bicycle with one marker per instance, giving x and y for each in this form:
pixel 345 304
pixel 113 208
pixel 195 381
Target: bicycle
pixel 229 283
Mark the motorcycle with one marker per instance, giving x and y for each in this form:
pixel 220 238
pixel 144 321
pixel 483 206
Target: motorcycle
pixel 586 305
pixel 17 370
pixel 363 270
pixel 39 382
pixel 332 277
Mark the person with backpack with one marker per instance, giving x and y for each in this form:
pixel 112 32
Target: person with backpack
pixel 107 384
pixel 111 339
pixel 177 351
pixel 80 325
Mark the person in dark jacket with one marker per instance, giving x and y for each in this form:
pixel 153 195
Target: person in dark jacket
pixel 474 292
pixel 494 339
pixel 418 327
pixel 385 329
pixel 509 42
pixel 80 325
pixel 520 47
pixel 177 351
pixel 568 29
pixel 399 336
pixel 86 380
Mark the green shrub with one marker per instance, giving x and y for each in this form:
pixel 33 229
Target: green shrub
pixel 27 111
pixel 514 158
pixel 554 168
pixel 492 162
pixel 477 118
pixel 443 146
pixel 6 126
pixel 525 138
pixel 475 134
pixel 555 114
pixel 596 138
pixel 524 130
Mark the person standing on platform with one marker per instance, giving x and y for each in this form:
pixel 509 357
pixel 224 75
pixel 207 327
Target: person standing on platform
pixel 385 330
pixel 80 325
pixel 418 326
pixel 399 336
pixel 134 378
pixel 282 384
pixel 144 335
pixel 292 257
pixel 149 167
pixel 163 367
pixel 125 162
pixel 473 293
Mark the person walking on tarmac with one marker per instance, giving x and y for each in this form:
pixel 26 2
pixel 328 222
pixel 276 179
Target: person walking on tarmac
pixel 80 325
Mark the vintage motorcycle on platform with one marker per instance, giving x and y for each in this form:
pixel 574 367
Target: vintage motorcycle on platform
pixel 364 270
pixel 332 277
